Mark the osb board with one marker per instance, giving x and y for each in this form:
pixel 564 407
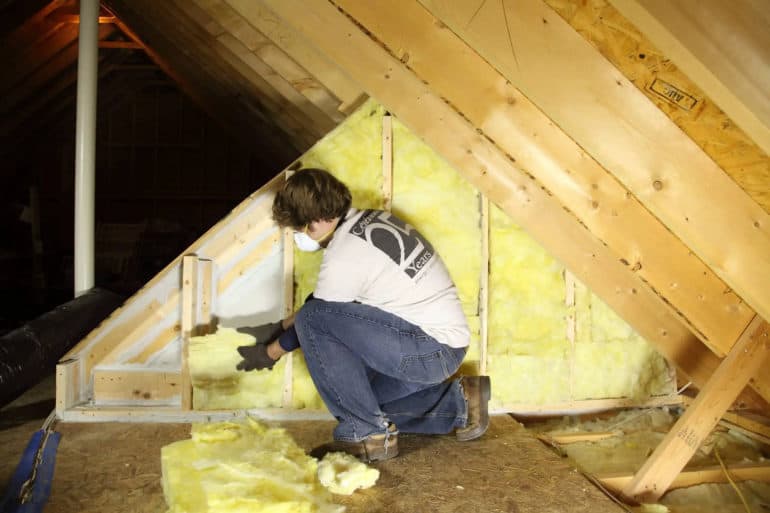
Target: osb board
pixel 623 45
pixel 116 467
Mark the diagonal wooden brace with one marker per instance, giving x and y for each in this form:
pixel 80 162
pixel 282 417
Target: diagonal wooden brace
pixel 744 360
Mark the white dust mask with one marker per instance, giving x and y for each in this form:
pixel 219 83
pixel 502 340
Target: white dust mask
pixel 305 242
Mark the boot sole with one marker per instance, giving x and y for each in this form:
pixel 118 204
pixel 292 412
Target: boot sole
pixel 485 387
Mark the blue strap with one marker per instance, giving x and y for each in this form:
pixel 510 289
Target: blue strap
pixel 41 488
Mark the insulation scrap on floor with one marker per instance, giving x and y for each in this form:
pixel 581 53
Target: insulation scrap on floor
pixel 343 474
pixel 239 467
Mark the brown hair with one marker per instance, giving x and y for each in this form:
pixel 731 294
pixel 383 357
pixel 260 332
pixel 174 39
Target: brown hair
pixel 310 195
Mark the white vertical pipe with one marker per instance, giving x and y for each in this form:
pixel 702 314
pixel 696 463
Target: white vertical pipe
pixel 85 145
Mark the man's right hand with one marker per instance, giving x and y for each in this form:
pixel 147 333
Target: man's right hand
pixel 255 358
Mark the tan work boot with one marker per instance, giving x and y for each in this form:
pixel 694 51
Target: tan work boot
pixel 372 448
pixel 477 390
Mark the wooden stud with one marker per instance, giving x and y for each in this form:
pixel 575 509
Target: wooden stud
pixel 68 389
pixel 571 325
pixel 616 482
pixel 206 321
pixel 387 161
pixel 672 454
pixel 189 321
pixel 288 308
pixel 484 287
pixel 136 385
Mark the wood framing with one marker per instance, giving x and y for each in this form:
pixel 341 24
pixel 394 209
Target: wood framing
pixel 572 438
pixel 494 173
pixel 287 246
pixel 138 385
pixel 589 406
pixel 608 117
pixel 616 482
pixel 305 54
pixel 67 385
pixel 676 449
pixel 720 46
pixel 484 286
pixel 542 149
pixel 387 161
pixel 189 322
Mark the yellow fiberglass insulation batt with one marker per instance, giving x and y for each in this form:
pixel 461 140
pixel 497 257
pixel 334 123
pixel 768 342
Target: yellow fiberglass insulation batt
pixel 533 359
pixel 240 467
pixel 218 385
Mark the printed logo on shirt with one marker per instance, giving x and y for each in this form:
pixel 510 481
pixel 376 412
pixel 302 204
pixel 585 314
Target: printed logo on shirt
pixel 397 239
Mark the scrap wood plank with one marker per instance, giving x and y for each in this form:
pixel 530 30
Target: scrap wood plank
pixel 672 454
pixel 576 437
pixel 618 481
pixel 489 169
pixel 530 44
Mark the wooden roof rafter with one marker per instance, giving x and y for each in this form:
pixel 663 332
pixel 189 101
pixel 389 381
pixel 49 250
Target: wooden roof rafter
pixel 237 121
pixel 489 169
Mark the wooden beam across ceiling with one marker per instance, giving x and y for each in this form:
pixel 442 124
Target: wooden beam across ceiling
pixel 252 129
pixel 276 61
pixel 306 55
pixel 493 171
pixel 540 147
pixel 626 133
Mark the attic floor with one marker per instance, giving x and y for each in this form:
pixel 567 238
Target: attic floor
pixel 116 467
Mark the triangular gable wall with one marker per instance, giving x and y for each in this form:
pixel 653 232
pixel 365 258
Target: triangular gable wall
pixel 540 346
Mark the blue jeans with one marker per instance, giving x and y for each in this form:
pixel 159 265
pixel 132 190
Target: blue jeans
pixel 373 368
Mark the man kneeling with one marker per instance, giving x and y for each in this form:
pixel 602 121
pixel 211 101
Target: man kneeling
pixel 383 332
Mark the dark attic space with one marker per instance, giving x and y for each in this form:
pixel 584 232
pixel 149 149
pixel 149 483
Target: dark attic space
pixel 385 256
pixel 166 170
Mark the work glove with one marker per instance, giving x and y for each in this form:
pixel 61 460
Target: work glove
pixel 265 333
pixel 255 357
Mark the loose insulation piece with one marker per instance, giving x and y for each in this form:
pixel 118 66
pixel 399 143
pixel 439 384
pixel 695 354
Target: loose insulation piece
pixel 343 474
pixel 241 467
